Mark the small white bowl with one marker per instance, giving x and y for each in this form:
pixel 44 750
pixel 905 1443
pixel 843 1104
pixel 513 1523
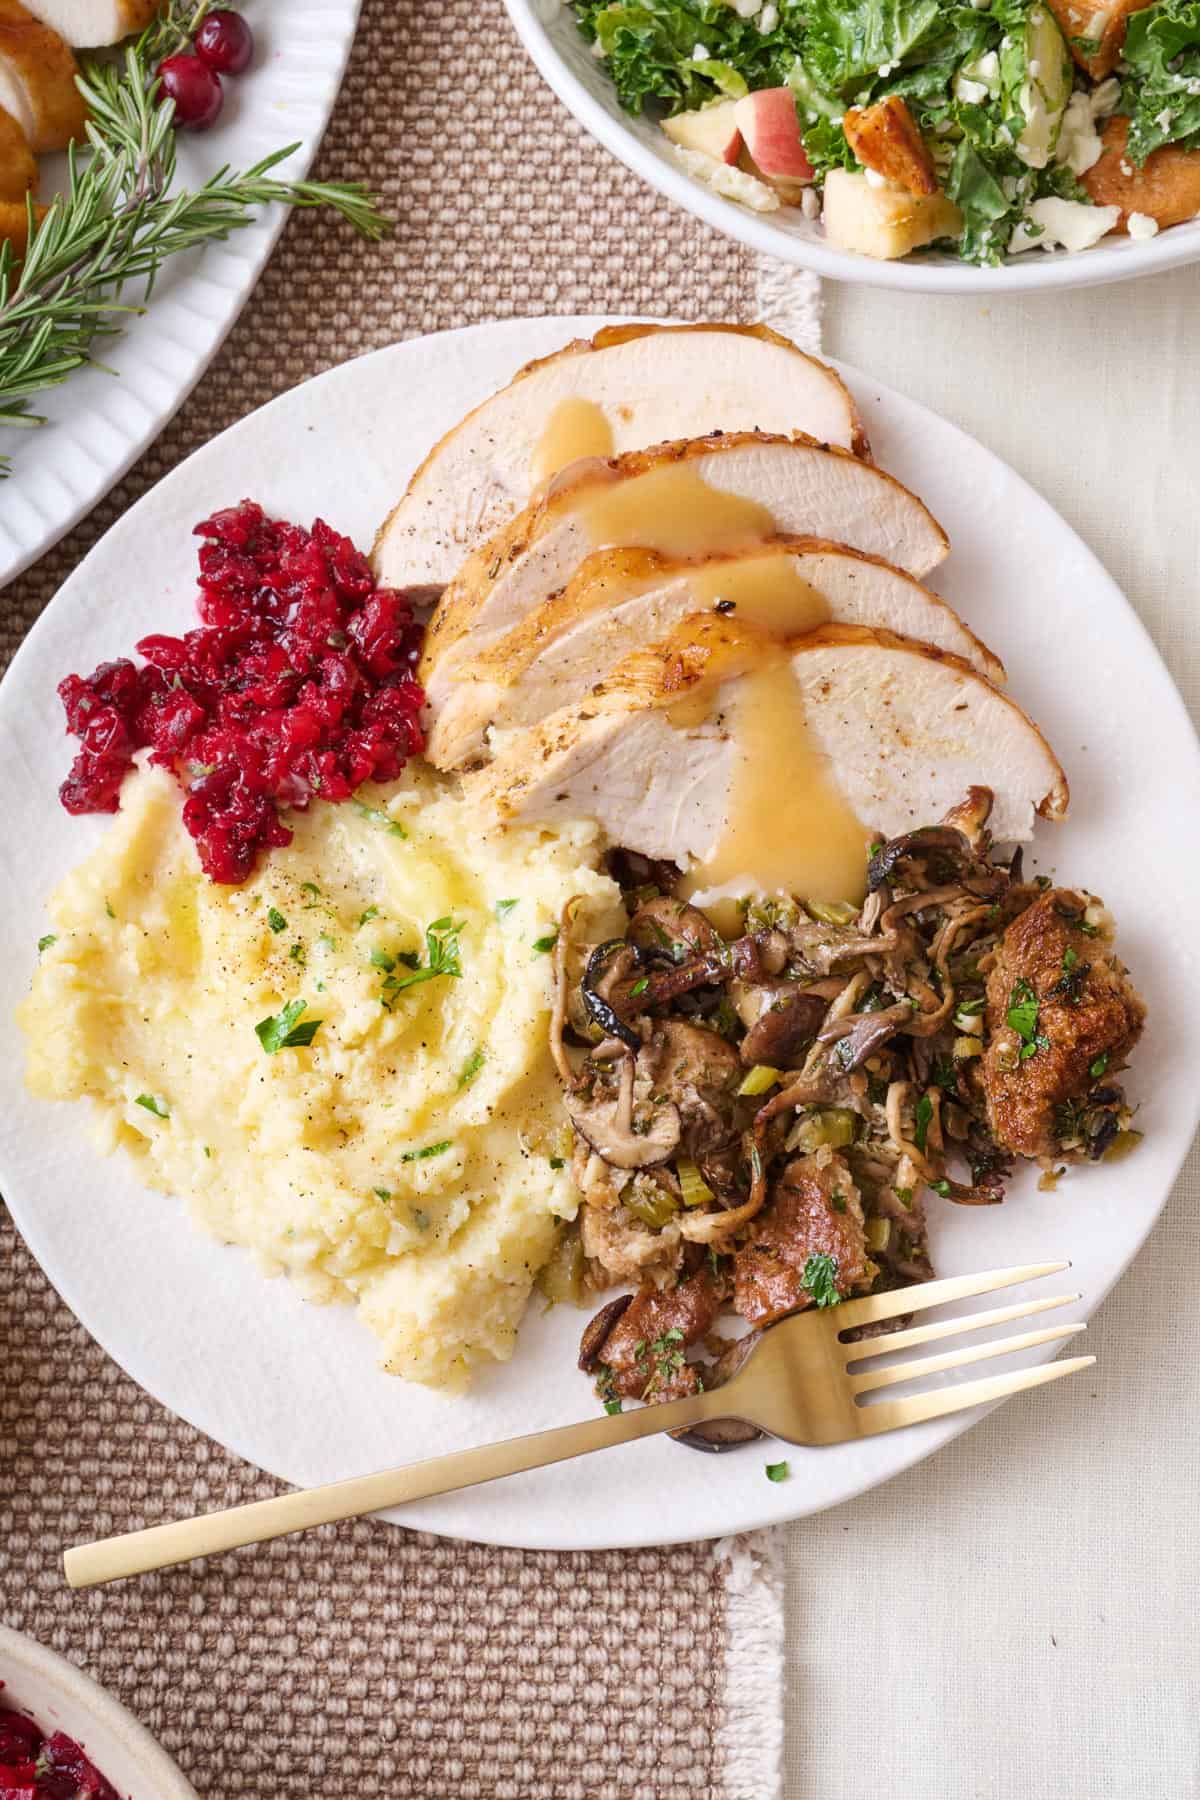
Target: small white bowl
pixel 548 31
pixel 61 1697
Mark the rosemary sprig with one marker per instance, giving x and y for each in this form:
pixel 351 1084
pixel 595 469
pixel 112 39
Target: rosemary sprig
pixel 121 217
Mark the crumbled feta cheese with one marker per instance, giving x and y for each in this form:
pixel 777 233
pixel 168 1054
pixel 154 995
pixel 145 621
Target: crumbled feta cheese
pixel 810 203
pixel 1141 226
pixel 700 53
pixel 746 9
pixel 1078 146
pixel 1035 68
pixel 769 17
pixel 885 70
pixel 1071 223
pixel 970 92
pixel 988 67
pixel 724 179
pixel 1105 98
pixel 1164 119
pixel 598 50
pixel 1127 169
pixel 1004 135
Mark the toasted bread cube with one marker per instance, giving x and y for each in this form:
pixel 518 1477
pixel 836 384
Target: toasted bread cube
pixel 884 222
pixel 1086 24
pixel 884 137
pixel 1166 189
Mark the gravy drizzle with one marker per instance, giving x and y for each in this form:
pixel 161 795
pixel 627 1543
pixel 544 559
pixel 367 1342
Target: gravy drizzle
pixel 575 428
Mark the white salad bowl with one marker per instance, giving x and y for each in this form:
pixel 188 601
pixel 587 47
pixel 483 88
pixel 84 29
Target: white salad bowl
pixel 61 1697
pixel 549 33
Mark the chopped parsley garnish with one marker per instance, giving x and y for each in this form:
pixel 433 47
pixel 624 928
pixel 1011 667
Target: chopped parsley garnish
pixel 325 942
pixel 382 1193
pixel 639 987
pixel 381 960
pixel 1023 1011
pixel 276 920
pixel 392 826
pixel 426 1151
pixel 44 943
pixel 298 954
pixel 542 944
pixel 442 951
pixel 820 1278
pixel 1042 882
pixel 558 1162
pixel 310 887
pixel 1087 46
pixel 283 1030
pixel 945 1074
pixel 922 1119
pixel 471 1067
pixel 941 1187
pixel 778 1471
pixel 904 1195
pixel 1069 987
pixel 1097 1069
pixel 612 1406
pixel 153 1106
pixel 837 1201
pixel 108 909
pixel 372 912
pixel 207 1151
pixel 504 907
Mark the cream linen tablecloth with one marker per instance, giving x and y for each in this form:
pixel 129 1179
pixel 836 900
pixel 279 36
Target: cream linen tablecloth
pixel 1016 1620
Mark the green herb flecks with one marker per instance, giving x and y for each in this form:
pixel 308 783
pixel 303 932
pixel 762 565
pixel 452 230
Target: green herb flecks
pixel 45 942
pixel 779 1471
pixel 426 1151
pixel 612 1406
pixel 1161 89
pixel 153 1105
pixel 1023 1017
pixel 471 1067
pixel 543 944
pixel 276 920
pixel 820 1279
pixel 1099 1067
pixel 442 959
pixel 504 907
pixel 922 1119
pixel 284 1031
pixel 393 827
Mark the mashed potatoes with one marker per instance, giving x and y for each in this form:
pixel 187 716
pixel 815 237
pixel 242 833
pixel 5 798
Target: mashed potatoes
pixel 410 1157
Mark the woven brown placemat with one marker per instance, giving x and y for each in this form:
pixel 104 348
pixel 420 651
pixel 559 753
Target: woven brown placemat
pixel 368 1660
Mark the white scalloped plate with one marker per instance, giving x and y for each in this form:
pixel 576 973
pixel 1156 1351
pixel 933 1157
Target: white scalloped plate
pixel 100 423
pixel 294 1388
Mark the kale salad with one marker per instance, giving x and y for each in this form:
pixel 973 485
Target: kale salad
pixel 982 129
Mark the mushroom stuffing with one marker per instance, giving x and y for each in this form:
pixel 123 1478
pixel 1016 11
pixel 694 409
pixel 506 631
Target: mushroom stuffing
pixel 759 1118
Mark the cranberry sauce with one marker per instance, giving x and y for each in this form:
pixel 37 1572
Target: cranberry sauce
pixel 297 685
pixel 34 1766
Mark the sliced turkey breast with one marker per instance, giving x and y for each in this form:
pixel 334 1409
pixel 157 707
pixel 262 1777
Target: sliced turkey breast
pixel 18 169
pixel 619 600
pixel 691 498
pixel 37 80
pixel 90 24
pixel 630 386
pixel 899 731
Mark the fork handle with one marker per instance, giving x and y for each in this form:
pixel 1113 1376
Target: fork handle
pixel 136 1552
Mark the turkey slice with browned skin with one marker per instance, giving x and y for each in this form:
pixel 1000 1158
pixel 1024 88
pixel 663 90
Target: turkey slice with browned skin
pixel 794 485
pixel 904 730
pixel 619 600
pixel 37 80
pixel 649 382
pixel 91 24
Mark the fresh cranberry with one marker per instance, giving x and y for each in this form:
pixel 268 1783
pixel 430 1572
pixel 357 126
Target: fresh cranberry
pixel 195 89
pixel 225 42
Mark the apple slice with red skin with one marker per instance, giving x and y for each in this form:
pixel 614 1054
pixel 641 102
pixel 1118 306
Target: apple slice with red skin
pixel 770 125
pixel 712 129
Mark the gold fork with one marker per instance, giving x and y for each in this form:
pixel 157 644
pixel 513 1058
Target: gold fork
pixel 796 1383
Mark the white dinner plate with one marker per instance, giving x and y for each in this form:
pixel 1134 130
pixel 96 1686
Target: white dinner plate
pixel 549 33
pixel 294 1388
pixel 100 422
